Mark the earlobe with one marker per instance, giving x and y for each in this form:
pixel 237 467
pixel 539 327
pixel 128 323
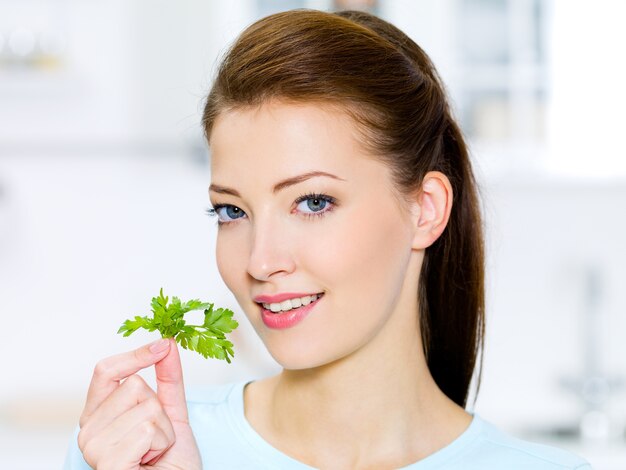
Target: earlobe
pixel 434 202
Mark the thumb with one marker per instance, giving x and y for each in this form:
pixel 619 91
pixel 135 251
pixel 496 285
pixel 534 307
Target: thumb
pixel 170 387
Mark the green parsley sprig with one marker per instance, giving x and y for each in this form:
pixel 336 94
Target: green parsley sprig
pixel 208 339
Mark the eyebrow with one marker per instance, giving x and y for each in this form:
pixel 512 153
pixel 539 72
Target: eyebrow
pixel 280 185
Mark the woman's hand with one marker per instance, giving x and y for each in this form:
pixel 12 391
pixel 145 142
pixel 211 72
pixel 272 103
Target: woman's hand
pixel 127 426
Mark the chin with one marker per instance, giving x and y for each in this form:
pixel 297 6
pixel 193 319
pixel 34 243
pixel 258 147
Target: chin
pixel 300 353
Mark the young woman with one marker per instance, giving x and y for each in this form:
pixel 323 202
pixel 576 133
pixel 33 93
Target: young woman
pixel 351 236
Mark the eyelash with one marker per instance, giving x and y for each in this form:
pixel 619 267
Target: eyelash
pixel 212 212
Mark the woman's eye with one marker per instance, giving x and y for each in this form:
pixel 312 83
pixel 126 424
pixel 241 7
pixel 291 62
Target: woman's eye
pixel 226 213
pixel 230 212
pixel 315 204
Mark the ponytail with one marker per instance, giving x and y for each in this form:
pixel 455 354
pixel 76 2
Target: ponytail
pixel 451 291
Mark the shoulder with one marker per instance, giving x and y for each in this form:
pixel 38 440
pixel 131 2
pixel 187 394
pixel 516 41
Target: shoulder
pixel 495 448
pixel 224 437
pixel 216 416
pixel 212 404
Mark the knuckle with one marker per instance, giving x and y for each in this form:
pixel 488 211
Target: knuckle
pixel 104 368
pixel 139 355
pixel 148 428
pixel 135 384
pixel 154 407
pixel 90 453
pixel 82 439
pixel 82 420
pixel 171 436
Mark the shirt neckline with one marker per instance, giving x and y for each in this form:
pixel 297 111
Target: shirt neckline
pixel 278 459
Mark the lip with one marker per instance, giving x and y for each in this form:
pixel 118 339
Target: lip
pixel 272 299
pixel 282 320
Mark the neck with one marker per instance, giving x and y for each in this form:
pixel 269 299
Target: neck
pixel 370 399
pixel 345 394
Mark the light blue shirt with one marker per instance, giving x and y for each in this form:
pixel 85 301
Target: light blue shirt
pixel 227 441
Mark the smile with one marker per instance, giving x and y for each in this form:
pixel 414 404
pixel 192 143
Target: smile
pixel 291 304
pixel 295 310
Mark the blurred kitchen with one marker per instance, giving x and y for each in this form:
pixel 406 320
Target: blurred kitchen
pixel 104 176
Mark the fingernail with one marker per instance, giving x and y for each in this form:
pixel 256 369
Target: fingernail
pixel 159 346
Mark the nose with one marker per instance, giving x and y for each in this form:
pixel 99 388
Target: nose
pixel 270 254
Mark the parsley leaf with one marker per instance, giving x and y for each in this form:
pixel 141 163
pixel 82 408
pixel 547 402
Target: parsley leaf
pixel 208 339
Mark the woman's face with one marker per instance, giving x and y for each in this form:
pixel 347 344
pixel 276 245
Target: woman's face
pixel 348 239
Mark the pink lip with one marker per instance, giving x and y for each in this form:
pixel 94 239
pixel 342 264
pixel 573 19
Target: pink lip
pixel 288 319
pixel 272 299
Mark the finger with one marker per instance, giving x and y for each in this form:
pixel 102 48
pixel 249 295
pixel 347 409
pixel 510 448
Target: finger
pixel 109 371
pixel 149 410
pixel 139 441
pixel 170 386
pixel 129 394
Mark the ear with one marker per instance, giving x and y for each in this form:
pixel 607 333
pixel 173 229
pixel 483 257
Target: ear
pixel 431 209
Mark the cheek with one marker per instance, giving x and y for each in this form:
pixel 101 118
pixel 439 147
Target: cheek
pixel 361 251
pixel 231 260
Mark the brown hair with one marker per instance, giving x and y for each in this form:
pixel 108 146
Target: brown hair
pixel 387 83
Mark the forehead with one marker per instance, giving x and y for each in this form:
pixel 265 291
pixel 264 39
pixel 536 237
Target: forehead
pixel 284 137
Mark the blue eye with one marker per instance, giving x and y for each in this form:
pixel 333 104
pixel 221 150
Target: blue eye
pixel 318 204
pixel 231 211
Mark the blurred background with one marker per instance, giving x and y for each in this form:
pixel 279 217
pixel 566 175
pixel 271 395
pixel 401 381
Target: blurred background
pixel 104 177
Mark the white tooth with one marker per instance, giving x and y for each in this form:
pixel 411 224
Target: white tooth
pixel 290 304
